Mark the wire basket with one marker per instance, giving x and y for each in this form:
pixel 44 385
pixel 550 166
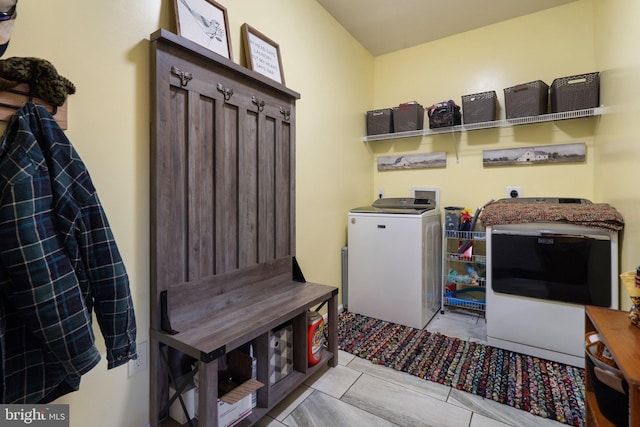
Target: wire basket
pixel 471 298
pixel 466 235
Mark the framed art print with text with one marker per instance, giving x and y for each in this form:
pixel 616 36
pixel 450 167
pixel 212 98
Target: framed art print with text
pixel 204 22
pixel 262 53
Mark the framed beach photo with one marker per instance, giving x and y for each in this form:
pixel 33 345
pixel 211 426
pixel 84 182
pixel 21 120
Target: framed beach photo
pixel 204 22
pixel 262 53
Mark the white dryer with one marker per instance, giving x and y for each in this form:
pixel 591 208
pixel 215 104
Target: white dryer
pixel 395 260
pixel 540 275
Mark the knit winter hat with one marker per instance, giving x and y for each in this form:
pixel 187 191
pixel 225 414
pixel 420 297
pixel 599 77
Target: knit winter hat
pixel 7 22
pixel 43 77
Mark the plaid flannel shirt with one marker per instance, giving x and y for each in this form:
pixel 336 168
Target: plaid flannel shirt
pixel 58 262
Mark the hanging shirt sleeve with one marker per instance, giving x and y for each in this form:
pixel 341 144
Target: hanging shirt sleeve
pixel 43 286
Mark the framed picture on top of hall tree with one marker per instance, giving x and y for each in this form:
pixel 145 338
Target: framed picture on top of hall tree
pixel 262 53
pixel 204 22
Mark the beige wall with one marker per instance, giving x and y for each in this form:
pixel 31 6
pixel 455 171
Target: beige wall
pixel 334 76
pixel 541 46
pixel 103 48
pixel 617 146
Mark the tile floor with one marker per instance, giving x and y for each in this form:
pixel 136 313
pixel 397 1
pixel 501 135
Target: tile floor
pixel 358 393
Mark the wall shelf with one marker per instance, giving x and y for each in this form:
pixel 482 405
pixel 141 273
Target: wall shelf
pixel 576 114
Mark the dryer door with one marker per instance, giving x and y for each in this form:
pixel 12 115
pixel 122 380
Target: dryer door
pixel 572 268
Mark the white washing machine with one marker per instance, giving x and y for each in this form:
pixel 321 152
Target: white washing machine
pixel 395 260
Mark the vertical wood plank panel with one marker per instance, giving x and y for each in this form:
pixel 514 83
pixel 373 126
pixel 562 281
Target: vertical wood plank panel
pixel 201 212
pixel 266 190
pixel 248 190
pixel 283 196
pixel 291 142
pixel 173 200
pixel 161 108
pixel 193 148
pixel 209 190
pixel 226 181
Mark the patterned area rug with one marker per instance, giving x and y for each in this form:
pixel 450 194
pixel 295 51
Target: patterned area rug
pixel 541 387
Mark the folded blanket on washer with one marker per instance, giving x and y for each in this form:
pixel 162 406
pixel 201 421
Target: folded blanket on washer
pixel 597 215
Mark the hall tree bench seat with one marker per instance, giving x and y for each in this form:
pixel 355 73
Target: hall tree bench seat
pixel 224 273
pixel 236 316
pixel 246 311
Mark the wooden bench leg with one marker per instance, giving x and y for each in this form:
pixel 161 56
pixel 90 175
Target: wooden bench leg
pixel 208 393
pixel 332 316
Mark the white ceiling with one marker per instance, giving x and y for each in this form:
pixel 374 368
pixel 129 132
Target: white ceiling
pixel 384 26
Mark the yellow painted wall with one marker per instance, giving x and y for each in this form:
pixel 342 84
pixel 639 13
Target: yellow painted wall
pixel 542 46
pixel 618 138
pixel 334 75
pixel 103 48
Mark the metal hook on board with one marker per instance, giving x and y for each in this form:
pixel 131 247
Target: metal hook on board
pixel 226 92
pixel 184 76
pixel 286 113
pixel 259 102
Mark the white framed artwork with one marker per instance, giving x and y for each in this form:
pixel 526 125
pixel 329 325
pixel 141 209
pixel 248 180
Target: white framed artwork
pixel 204 22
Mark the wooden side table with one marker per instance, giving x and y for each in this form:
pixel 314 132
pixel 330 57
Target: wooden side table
pixel 623 341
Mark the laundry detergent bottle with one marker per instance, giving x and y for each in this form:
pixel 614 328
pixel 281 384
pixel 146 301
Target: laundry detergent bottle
pixel 315 324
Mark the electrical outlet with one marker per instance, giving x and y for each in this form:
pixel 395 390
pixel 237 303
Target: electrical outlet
pixel 140 364
pixel 514 191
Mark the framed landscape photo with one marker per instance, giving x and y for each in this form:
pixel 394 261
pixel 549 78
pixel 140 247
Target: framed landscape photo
pixel 204 22
pixel 262 53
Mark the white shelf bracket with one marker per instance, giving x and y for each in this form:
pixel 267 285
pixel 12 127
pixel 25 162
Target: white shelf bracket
pixel 455 145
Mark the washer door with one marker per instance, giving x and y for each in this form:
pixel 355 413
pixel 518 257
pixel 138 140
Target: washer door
pixel 385 267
